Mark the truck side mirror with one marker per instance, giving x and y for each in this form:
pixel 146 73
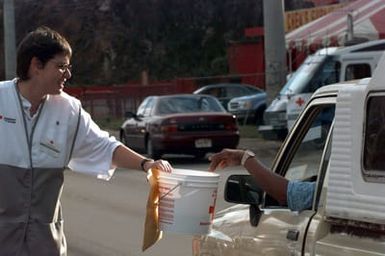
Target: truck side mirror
pixel 242 189
pixel 254 214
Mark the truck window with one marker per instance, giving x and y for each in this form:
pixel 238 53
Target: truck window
pixel 215 91
pixel 374 146
pixel 305 157
pixel 232 92
pixel 306 161
pixel 357 71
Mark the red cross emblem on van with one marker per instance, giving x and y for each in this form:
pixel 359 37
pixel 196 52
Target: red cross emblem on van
pixel 300 101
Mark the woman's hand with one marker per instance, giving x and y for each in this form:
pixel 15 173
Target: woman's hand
pixel 160 164
pixel 225 158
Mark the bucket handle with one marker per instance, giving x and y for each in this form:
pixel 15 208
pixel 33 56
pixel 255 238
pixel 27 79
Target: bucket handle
pixel 168 192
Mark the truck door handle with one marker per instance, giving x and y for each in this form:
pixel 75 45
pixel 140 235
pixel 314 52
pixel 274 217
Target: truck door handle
pixel 292 234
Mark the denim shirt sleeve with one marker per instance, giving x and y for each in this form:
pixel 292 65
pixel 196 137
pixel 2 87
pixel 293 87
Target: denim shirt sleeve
pixel 300 195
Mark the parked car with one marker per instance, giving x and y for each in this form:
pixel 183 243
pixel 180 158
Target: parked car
pixel 249 109
pixel 180 124
pixel 245 101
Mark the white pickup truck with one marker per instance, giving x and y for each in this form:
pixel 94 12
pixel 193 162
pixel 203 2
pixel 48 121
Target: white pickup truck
pixel 338 141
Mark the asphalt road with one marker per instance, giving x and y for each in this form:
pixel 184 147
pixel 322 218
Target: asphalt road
pixel 107 218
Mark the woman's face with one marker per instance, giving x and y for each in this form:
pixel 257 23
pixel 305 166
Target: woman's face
pixel 54 74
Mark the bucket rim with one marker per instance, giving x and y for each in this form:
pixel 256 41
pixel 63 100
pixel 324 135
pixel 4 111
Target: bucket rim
pixel 181 172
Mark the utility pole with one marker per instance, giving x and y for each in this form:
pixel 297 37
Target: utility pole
pixel 9 39
pixel 275 48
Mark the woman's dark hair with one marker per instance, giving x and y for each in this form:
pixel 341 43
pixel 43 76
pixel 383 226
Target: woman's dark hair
pixel 42 43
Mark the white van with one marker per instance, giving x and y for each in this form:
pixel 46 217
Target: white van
pixel 327 66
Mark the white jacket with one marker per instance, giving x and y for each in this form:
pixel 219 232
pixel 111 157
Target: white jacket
pixel 32 165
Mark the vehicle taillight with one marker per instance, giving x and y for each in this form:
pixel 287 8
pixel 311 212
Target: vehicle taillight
pixel 231 127
pixel 169 128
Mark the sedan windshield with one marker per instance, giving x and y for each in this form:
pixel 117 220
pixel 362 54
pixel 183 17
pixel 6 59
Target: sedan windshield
pixel 173 105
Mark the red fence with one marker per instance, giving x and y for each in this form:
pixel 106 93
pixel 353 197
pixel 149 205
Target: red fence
pixel 114 101
pixel 102 102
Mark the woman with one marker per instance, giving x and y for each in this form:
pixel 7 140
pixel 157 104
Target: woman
pixel 42 131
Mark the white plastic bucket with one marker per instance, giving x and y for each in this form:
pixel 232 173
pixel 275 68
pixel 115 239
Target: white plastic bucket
pixel 187 201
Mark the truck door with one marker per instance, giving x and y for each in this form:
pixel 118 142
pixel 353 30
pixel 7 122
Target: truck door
pixel 304 156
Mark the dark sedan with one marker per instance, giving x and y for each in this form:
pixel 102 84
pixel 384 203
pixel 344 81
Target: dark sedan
pixel 180 124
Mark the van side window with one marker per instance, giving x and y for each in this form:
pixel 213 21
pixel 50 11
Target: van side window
pixel 357 71
pixel 374 146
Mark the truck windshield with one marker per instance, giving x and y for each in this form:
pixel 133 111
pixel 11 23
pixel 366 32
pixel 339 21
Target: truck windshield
pixel 316 71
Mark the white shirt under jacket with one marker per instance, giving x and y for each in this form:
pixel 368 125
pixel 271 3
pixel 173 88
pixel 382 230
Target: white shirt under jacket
pixel 51 146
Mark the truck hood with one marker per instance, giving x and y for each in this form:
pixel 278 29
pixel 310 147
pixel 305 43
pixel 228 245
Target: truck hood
pixel 225 232
pixel 228 223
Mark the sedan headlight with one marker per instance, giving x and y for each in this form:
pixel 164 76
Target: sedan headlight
pixel 240 105
pixel 245 104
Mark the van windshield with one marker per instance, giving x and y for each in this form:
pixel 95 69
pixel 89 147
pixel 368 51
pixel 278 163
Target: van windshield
pixel 316 71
